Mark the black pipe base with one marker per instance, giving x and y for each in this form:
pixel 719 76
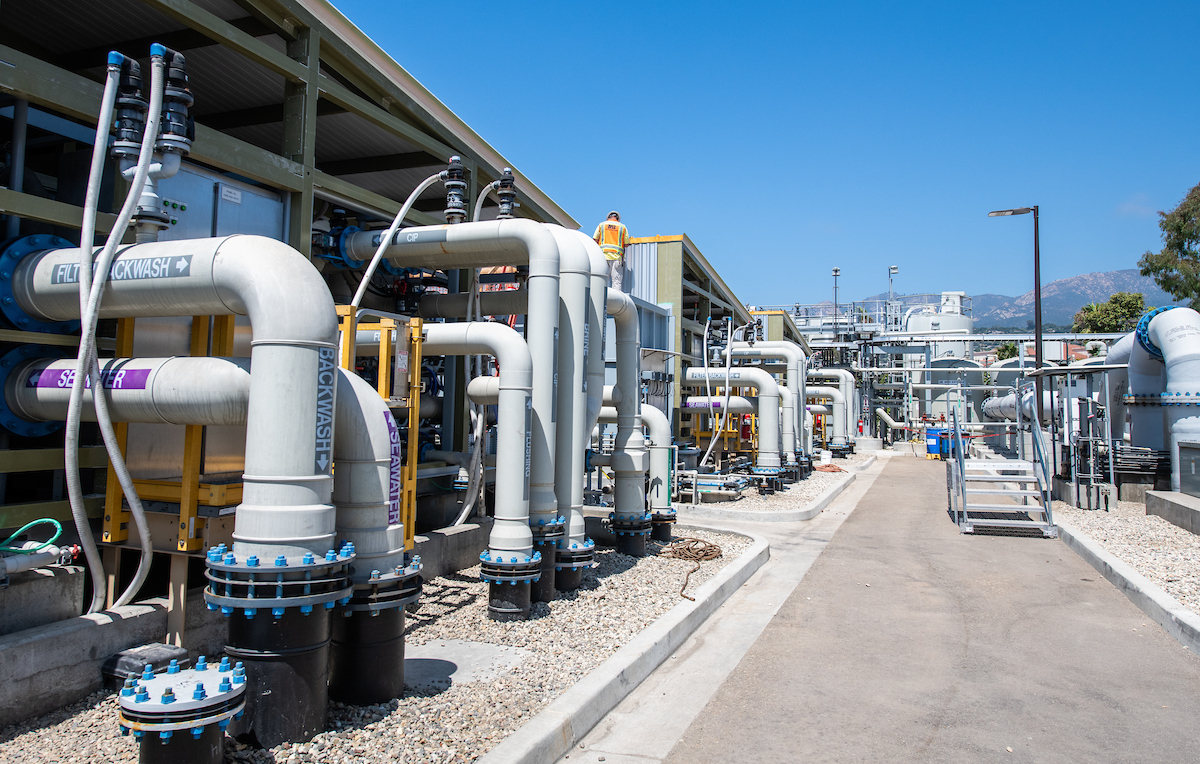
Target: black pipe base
pixel 632 544
pixel 366 657
pixel 509 602
pixel 287 668
pixel 568 580
pixel 661 531
pixel 182 748
pixel 542 590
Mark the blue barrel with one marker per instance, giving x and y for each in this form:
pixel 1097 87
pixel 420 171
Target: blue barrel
pixel 933 440
pixel 946 443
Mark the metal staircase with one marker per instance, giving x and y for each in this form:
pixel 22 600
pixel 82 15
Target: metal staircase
pixel 1011 494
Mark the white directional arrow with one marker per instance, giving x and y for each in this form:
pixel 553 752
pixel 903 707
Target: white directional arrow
pixel 323 461
pixel 180 264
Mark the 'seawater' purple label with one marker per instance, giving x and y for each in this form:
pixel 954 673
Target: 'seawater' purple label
pixel 394 470
pixel 113 379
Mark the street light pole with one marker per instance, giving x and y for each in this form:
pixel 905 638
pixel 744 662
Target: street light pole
pixel 1037 297
pixel 836 272
pixel 892 271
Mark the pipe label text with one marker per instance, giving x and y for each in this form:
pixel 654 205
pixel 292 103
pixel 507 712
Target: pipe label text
pixel 130 270
pixel 326 379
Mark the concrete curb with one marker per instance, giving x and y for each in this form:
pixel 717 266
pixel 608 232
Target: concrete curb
pixel 552 733
pixel 811 510
pixel 867 464
pixel 1167 612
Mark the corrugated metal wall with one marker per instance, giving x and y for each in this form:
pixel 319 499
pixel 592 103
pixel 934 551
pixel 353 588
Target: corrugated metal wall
pixel 641 271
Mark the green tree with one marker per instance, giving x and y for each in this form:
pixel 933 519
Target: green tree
pixel 1006 350
pixel 1176 269
pixel 1119 314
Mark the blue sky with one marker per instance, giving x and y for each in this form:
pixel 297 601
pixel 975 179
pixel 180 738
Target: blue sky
pixel 786 138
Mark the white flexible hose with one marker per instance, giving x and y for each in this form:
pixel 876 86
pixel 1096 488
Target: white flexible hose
pixel 386 239
pixel 86 239
pixel 87 360
pixel 483 195
pixel 474 465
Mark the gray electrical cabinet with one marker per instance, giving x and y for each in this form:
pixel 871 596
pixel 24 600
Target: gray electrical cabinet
pixel 1189 474
pixel 201 204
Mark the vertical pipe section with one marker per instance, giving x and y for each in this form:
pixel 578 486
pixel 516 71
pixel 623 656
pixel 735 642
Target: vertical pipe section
pixel 796 360
pixel 631 522
pixel 509 564
pixel 1175 333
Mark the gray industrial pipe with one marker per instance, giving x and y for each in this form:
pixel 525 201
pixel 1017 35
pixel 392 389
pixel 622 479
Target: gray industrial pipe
pixel 848 386
pixel 788 394
pixel 491 243
pixel 738 404
pixel 887 418
pixel 286 507
pixel 1004 407
pixel 506 303
pixel 796 360
pixel 839 411
pixel 1174 335
pixel 631 522
pixel 1118 385
pixel 768 404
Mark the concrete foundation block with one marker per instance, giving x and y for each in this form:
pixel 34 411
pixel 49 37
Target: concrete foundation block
pixel 1176 508
pixel 448 550
pixel 38 597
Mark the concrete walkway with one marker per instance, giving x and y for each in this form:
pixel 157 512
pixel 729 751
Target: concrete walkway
pixel 908 641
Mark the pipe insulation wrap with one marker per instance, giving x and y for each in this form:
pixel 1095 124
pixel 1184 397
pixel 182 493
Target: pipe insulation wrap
pixel 1176 334
pixel 289 440
pixel 768 404
pixel 491 243
pixel 510 532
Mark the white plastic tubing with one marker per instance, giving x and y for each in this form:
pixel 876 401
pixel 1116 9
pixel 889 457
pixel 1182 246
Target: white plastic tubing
pixel 491 243
pixel 1176 334
pixel 793 354
pixel 510 532
pixel 216 391
pixel 286 505
pixel 768 404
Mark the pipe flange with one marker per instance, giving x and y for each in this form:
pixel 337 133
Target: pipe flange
pixel 13 252
pixel 1179 399
pixel 575 557
pixel 665 517
pixel 402 586
pixel 249 586
pixel 549 530
pixel 1142 400
pixel 1142 332
pixel 187 700
pixel 8 418
pixel 344 259
pixel 497 569
pixel 630 526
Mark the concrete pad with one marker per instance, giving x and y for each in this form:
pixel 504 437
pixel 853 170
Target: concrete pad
pixel 1176 508
pixel 41 596
pixel 444 662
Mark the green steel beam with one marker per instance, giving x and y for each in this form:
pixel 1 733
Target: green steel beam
pixel 41 459
pixel 300 134
pixel 369 200
pixel 74 96
pixel 342 96
pixel 49 211
pixel 230 36
pixel 407 161
pixel 16 515
pixel 182 41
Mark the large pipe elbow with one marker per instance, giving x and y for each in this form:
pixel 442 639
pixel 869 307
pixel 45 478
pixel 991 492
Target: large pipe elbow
pixel 1173 334
pixel 768 403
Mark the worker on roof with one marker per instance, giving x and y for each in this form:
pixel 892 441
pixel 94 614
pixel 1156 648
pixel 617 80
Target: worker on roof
pixel 613 238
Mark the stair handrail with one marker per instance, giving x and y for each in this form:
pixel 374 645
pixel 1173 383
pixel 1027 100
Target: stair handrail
pixel 959 472
pixel 1039 453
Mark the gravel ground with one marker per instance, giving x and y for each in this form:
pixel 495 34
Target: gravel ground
pixel 567 638
pixel 797 495
pixel 1164 553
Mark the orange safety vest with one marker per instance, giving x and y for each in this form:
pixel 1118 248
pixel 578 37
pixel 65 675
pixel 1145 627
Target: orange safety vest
pixel 613 237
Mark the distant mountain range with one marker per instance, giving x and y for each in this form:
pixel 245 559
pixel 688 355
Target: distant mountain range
pixel 1061 299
